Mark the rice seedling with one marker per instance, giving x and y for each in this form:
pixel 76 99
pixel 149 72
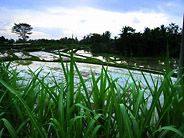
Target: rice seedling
pixel 108 110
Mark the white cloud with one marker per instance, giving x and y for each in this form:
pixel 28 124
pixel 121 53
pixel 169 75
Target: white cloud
pixel 40 35
pixel 82 21
pixel 35 35
pixel 7 34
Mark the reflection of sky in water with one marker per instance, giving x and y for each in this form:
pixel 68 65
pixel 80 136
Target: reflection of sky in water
pixel 51 69
pixel 84 53
pixel 21 55
pixel 85 70
pixel 44 55
pixel 54 69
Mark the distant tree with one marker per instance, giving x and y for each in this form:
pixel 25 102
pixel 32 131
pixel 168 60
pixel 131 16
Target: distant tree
pixel 2 39
pixel 23 30
pixel 150 43
pixel 173 29
pixel 127 31
pixel 11 41
pixel 126 37
pixel 107 36
pixel 174 39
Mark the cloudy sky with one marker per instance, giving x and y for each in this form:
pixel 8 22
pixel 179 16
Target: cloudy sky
pixel 53 19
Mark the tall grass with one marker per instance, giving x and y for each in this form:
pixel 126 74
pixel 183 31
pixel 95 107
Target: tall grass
pixel 106 109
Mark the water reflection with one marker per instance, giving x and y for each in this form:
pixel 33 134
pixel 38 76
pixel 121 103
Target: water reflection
pixel 85 69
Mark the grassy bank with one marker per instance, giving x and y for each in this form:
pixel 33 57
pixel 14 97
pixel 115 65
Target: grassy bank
pixel 105 109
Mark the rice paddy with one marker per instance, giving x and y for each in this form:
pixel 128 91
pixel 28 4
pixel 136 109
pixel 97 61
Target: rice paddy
pixel 98 104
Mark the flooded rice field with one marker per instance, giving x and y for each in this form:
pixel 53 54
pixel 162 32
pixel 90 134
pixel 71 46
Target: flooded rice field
pixel 55 69
pixel 52 71
pixel 86 56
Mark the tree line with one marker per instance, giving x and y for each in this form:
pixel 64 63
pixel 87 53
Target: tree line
pixel 150 43
pixel 129 43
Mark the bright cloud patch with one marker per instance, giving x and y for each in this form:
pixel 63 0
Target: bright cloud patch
pixel 82 21
pixel 36 35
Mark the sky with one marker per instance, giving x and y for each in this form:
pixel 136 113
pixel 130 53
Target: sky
pixel 55 19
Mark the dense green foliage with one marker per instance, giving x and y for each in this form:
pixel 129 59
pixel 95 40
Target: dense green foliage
pixel 150 43
pixel 103 109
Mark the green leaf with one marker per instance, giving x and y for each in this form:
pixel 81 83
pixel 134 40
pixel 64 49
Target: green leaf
pixel 30 114
pixel 170 128
pixel 126 120
pixel 1 132
pixel 138 101
pixel 96 93
pixel 10 128
pixel 83 85
pixel 91 125
pixel 61 105
pixel 63 67
pixel 58 127
pixel 95 130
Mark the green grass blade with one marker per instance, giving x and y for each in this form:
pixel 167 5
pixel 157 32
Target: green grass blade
pixel 138 101
pixel 1 132
pixel 49 90
pixel 135 126
pixel 10 128
pixel 96 93
pixel 109 124
pixel 63 67
pixel 133 80
pixel 61 110
pixel 70 95
pixel 30 114
pixel 94 132
pixel 181 129
pixel 170 128
pixel 57 124
pixel 84 86
pixel 83 107
pixel 73 121
pixel 103 90
pixel 149 87
pixel 91 125
pixel 55 128
pixel 116 105
pixel 2 96
pixel 126 120
pixel 22 124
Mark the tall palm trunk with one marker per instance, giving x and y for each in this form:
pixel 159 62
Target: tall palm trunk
pixel 181 59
